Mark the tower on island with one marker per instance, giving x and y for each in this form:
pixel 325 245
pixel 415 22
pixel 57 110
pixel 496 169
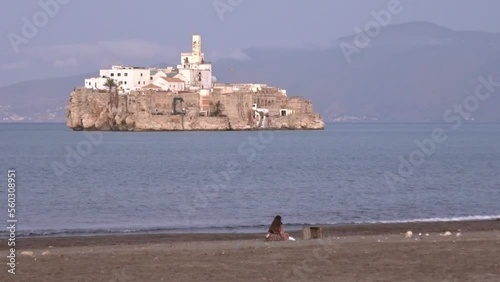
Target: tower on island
pixel 194 70
pixel 197 58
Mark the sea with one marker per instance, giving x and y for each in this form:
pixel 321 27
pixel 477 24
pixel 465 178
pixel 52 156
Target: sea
pixel 86 183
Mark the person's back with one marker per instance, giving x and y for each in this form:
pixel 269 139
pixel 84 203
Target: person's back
pixel 276 231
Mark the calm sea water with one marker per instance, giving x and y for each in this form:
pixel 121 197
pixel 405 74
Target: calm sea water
pixel 238 181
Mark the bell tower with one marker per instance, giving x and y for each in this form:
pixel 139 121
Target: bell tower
pixel 197 55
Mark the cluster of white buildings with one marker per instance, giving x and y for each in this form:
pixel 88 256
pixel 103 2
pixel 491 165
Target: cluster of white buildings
pixel 192 74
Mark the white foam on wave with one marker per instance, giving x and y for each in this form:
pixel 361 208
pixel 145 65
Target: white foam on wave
pixel 441 219
pixel 235 229
pixel 431 219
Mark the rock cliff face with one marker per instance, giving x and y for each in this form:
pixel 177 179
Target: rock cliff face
pixel 164 111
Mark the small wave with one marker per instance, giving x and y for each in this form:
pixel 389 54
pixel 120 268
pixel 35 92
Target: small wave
pixel 128 230
pixel 224 229
pixel 432 219
pixel 446 219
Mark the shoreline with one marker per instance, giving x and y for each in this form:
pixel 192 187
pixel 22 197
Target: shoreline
pixel 369 252
pixel 338 230
pixel 250 229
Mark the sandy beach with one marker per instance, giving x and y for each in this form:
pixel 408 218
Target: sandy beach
pixel 374 252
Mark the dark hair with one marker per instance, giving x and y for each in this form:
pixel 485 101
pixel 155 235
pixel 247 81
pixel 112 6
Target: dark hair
pixel 276 225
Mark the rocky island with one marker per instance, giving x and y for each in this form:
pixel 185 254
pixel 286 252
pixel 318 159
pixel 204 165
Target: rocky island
pixel 183 98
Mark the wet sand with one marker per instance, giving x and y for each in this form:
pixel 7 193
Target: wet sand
pixel 375 252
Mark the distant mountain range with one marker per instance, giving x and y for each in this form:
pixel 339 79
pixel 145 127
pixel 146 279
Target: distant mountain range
pixel 38 100
pixel 410 72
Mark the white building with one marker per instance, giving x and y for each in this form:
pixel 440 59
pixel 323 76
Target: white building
pixel 157 73
pixel 165 73
pixel 127 78
pixel 96 83
pixel 169 84
pixel 193 73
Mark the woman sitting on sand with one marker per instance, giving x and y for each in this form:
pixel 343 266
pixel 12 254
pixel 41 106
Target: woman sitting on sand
pixel 276 232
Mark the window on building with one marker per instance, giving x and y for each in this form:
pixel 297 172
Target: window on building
pixel 144 82
pixel 119 74
pixel 139 83
pixel 125 74
pixel 141 73
pixel 151 78
pixel 125 82
pixel 112 74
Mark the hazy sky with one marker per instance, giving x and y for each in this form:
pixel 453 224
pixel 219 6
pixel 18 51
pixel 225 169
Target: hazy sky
pixel 81 36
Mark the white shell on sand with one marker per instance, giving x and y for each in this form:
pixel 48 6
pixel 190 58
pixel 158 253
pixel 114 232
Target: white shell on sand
pixel 409 234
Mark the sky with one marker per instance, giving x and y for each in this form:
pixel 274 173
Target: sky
pixel 52 38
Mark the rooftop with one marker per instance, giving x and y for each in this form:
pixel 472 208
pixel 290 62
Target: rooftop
pixel 151 86
pixel 173 79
